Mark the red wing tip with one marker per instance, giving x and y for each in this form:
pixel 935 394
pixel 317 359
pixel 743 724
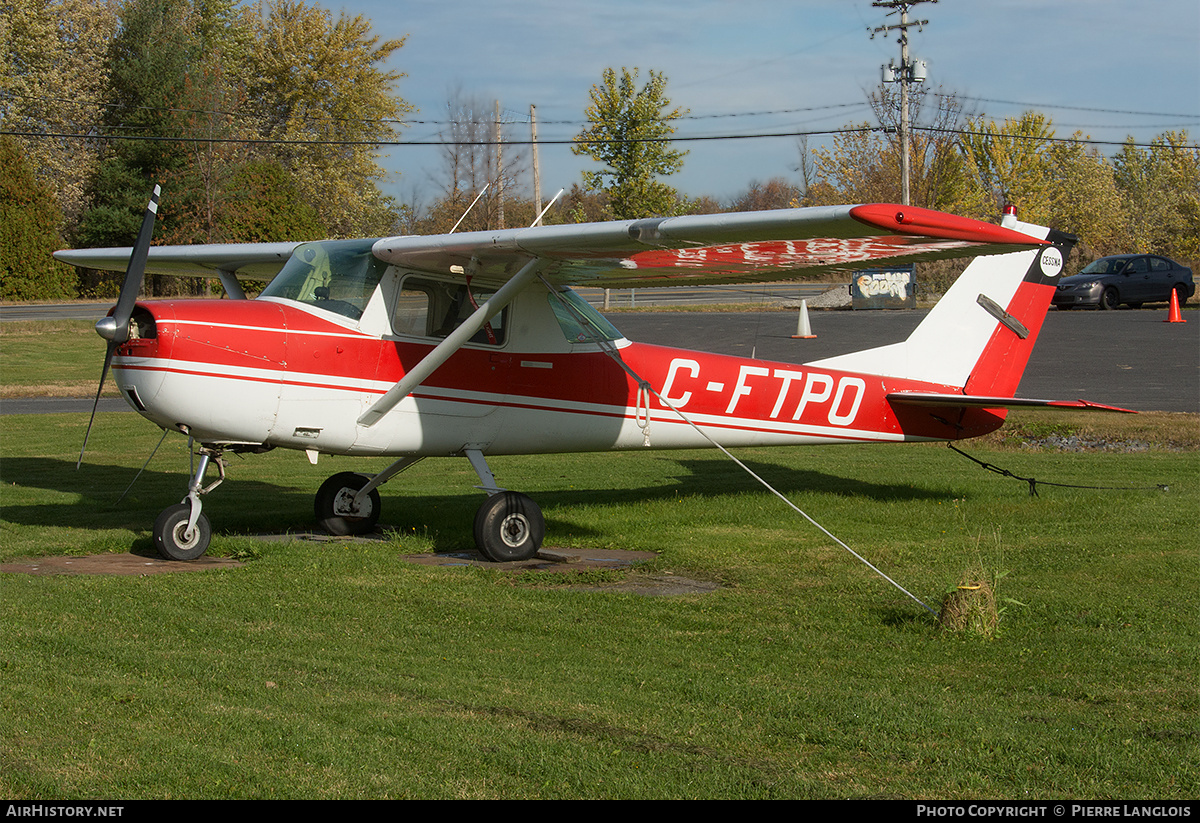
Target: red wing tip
pixel 927 222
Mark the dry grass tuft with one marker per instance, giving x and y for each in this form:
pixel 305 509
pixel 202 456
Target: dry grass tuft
pixel 971 608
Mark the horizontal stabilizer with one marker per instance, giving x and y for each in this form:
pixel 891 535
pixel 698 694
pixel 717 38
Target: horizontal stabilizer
pixel 976 401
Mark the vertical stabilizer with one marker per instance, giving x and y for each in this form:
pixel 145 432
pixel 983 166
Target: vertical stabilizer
pixel 979 335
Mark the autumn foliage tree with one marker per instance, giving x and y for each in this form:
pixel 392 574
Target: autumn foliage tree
pixel 320 89
pixel 628 132
pixel 28 236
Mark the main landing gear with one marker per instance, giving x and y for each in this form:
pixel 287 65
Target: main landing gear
pixel 508 526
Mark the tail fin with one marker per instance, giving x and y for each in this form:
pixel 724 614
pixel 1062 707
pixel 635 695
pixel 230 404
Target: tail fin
pixel 978 337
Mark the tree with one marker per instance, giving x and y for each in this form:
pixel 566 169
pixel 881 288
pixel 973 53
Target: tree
pixel 776 193
pixel 863 166
pixel 1160 190
pixel 853 170
pixel 629 134
pixel 1011 164
pixel 321 87
pixel 214 116
pixel 53 74
pixel 263 204
pixel 473 158
pixel 151 60
pixel 28 217
pixel 1085 200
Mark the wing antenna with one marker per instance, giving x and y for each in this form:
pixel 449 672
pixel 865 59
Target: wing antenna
pixel 468 211
pixel 553 200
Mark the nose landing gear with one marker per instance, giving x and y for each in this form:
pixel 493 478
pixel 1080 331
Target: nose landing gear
pixel 182 532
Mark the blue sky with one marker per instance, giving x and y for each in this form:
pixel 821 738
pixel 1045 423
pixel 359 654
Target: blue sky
pixel 1101 67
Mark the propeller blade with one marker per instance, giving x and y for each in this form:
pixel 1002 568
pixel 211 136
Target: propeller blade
pixel 136 271
pixel 103 373
pixel 115 327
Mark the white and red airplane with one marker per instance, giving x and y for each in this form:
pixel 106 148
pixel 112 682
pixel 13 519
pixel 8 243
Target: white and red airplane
pixel 473 345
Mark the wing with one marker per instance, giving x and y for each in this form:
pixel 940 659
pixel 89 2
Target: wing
pixel 256 261
pixel 709 249
pixel 706 249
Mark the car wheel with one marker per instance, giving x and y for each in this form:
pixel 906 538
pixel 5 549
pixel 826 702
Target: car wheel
pixel 1109 299
pixel 1181 294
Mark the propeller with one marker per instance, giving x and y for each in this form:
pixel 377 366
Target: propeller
pixel 115 327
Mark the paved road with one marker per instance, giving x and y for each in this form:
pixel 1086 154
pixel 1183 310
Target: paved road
pixel 1126 358
pixel 763 293
pixel 55 311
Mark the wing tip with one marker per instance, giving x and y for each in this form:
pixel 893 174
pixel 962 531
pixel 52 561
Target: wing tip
pixel 927 222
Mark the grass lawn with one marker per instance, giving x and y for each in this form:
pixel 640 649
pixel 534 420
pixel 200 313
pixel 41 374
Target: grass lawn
pixel 339 670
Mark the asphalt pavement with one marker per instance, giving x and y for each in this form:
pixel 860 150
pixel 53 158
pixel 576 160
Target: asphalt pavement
pixel 1128 358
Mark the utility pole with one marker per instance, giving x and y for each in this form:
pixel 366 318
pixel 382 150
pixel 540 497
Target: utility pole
pixel 499 170
pixel 537 173
pixel 908 71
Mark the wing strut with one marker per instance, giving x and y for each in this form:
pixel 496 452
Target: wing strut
pixel 453 342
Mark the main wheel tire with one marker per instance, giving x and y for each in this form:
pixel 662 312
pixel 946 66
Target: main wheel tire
pixel 334 505
pixel 171 537
pixel 509 526
pixel 1109 299
pixel 1181 294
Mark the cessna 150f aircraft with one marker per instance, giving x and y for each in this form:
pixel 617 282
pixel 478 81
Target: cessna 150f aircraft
pixel 473 345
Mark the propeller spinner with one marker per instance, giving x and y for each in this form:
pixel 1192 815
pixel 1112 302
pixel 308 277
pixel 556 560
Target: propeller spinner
pixel 115 327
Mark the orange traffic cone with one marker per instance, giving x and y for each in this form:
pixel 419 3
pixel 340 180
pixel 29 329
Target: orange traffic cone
pixel 1173 316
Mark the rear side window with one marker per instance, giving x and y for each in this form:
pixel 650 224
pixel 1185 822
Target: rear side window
pixel 428 307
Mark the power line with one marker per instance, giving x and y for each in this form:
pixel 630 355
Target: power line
pixel 402 143
pixel 1192 116
pixel 571 141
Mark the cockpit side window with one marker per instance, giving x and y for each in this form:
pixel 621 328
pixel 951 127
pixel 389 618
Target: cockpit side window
pixel 433 308
pixel 336 275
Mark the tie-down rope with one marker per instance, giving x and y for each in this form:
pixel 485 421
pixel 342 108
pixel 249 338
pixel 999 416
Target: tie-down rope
pixel 645 390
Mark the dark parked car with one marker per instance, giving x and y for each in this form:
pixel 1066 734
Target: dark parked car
pixel 1132 279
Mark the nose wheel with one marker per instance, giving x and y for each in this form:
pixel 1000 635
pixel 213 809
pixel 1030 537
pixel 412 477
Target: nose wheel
pixel 182 532
pixel 176 538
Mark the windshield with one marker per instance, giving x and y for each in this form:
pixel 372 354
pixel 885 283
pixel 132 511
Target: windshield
pixel 580 323
pixel 1105 265
pixel 336 275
